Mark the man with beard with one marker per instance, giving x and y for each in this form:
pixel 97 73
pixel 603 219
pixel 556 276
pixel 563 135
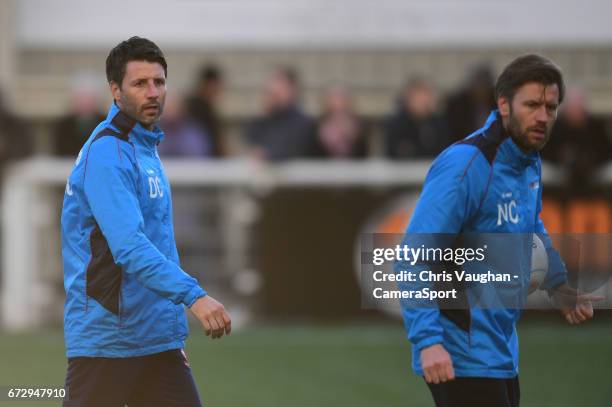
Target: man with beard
pixel 124 317
pixel 489 182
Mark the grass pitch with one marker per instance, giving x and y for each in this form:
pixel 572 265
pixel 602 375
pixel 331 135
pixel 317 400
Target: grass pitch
pixel 342 365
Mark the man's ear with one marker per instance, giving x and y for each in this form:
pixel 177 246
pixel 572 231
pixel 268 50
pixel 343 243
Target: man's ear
pixel 503 104
pixel 115 91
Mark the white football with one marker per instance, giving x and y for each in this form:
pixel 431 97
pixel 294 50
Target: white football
pixel 539 264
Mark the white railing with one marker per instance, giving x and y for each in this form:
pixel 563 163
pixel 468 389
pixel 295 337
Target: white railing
pixel 30 206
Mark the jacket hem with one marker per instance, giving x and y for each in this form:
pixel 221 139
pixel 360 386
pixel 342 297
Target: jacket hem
pixel 489 373
pixel 111 352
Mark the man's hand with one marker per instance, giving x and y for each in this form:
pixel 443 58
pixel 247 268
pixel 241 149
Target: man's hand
pixel 437 364
pixel 213 316
pixel 575 306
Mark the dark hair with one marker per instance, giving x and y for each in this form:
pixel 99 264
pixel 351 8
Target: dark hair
pixel 417 82
pixel 528 68
pixel 289 74
pixel 210 73
pixel 134 49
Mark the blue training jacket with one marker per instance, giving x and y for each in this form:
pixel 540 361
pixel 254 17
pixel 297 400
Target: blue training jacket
pixel 465 191
pixel 125 290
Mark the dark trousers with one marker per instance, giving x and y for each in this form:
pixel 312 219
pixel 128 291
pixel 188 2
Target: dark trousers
pixel 477 392
pixel 163 379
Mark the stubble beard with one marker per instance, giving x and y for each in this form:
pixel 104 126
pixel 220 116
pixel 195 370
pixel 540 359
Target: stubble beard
pixel 138 113
pixel 521 136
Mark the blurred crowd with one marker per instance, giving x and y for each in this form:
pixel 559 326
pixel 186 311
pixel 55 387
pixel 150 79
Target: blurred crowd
pixel 419 126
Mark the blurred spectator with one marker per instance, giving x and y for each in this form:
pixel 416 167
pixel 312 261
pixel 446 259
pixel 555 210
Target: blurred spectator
pixel 15 138
pixel 183 136
pixel 416 130
pixel 202 106
pixel 72 130
pixel 579 143
pixel 284 131
pixel 340 133
pixel 469 108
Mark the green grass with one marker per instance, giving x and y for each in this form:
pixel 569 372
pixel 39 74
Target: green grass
pixel 342 365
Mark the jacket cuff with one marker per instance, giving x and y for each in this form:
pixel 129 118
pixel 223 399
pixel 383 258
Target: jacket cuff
pixel 427 342
pixel 557 272
pixel 557 280
pixel 191 297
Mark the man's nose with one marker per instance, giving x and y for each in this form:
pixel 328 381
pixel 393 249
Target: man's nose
pixel 152 90
pixel 542 115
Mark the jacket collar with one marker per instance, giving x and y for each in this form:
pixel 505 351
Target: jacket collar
pixel 134 129
pixel 508 151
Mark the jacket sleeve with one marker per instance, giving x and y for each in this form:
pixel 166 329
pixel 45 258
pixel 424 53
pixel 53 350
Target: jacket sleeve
pixel 110 187
pixel 451 194
pixel 557 272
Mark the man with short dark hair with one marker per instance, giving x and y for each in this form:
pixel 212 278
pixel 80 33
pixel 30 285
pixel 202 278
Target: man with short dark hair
pixel 124 317
pixel 469 355
pixel 284 131
pixel 416 129
pixel 203 107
